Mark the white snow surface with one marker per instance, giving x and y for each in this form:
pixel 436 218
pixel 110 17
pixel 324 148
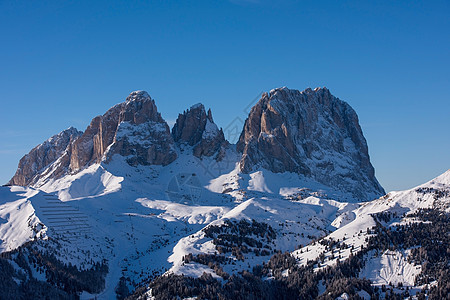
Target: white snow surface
pixel 18 221
pixel 390 267
pixel 143 225
pixel 211 130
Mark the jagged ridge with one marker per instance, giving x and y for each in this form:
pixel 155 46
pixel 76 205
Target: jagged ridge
pixel 196 128
pixel 36 162
pixel 311 133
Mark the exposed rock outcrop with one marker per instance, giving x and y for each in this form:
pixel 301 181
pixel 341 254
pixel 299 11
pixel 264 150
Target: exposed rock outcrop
pixel 195 127
pixel 91 146
pixel 311 133
pixel 44 155
pixel 134 129
pixel 142 135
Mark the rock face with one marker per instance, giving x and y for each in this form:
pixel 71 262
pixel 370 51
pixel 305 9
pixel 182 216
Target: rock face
pixel 44 155
pixel 196 128
pixel 311 133
pixel 91 146
pixel 133 129
pixel 142 135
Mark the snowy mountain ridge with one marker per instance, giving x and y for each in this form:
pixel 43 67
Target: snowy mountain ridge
pixel 310 133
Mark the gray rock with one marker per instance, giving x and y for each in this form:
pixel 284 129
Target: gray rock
pixel 33 164
pixel 195 127
pixel 133 129
pixel 311 133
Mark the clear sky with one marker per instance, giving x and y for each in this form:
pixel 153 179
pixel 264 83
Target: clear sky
pixel 64 62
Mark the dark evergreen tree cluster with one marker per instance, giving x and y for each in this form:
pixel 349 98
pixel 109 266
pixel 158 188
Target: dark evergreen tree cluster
pixel 242 237
pixel 64 281
pixel 122 290
pixel 437 193
pixel 18 285
pixel 213 261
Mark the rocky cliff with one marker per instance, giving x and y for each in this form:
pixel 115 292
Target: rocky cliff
pixel 42 156
pixel 311 133
pixel 195 127
pixel 134 129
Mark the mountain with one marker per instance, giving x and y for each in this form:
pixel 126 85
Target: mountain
pixel 197 129
pixel 40 158
pixel 133 129
pixel 131 208
pixel 311 133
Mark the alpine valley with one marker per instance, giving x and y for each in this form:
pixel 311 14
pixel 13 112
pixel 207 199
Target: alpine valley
pixel 131 208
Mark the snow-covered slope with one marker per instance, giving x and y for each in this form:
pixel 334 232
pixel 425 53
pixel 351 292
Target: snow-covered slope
pixel 390 266
pixel 149 220
pixel 144 219
pixel 18 221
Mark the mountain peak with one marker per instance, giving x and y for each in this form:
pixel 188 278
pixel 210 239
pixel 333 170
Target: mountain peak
pixel 134 129
pixel 196 128
pixel 197 106
pixel 138 95
pixel 308 90
pixel 311 133
pixel 321 88
pixel 443 179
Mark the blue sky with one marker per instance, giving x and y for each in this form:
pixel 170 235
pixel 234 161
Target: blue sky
pixel 64 62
